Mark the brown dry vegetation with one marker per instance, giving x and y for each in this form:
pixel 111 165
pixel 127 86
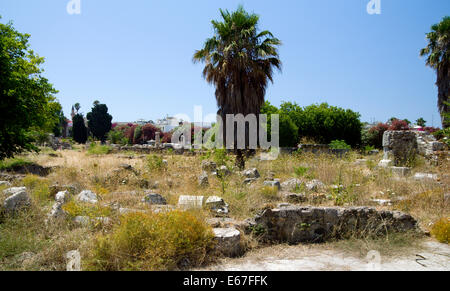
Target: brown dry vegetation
pixel 47 243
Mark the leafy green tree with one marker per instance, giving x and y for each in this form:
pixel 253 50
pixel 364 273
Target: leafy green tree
pixel 288 130
pixel 438 58
pixel 421 122
pixel 27 98
pixel 325 123
pixel 239 61
pixel 61 123
pixel 99 121
pixel 79 130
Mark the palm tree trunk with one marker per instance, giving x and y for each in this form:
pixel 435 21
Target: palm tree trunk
pixel 443 83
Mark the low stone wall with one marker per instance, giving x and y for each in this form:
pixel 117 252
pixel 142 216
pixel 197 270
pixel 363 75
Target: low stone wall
pixel 296 224
pixel 314 148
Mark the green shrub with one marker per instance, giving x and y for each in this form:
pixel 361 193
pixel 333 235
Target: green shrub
pixel 220 157
pixel 300 171
pixel 269 193
pixel 96 149
pixel 117 137
pixel 444 135
pixel 39 188
pixel 441 230
pixel 74 209
pixel 164 241
pixel 155 163
pixel 288 130
pixel 325 123
pixel 339 145
pixel 137 138
pixel 368 148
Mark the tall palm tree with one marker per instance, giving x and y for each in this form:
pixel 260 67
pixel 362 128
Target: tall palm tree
pixel 438 57
pixel 239 61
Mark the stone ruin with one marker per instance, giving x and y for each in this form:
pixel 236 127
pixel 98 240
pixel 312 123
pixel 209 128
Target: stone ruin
pixel 297 224
pixel 401 146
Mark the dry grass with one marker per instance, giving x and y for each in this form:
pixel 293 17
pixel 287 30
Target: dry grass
pixel 103 175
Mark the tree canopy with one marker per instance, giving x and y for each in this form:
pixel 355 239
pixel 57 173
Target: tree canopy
pixel 239 61
pixel 27 98
pixel 99 121
pixel 438 58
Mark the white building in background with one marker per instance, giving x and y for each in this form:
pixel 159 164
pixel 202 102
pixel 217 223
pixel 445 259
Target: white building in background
pixel 168 123
pixel 142 122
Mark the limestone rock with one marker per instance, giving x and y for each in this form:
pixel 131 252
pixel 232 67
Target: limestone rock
pixel 401 171
pixel 88 197
pixel 400 145
pixel 381 202
pixel 73 261
pixel 186 202
pixel 57 212
pixel 154 199
pixel 82 220
pixel 291 184
pixel 5 183
pixel 251 173
pixel 62 197
pixel 425 176
pixel 126 167
pixel 217 205
pixel 274 184
pixel 385 163
pixel 295 224
pixel 209 166
pixel 18 198
pixel 223 171
pixel 249 181
pixel 314 185
pixel 295 198
pixel 203 180
pixel 228 241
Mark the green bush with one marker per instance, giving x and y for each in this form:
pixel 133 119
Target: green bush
pixel 322 123
pixel 155 163
pixel 220 157
pixel 288 131
pixel 96 149
pixel 74 209
pixel 38 187
pixel 444 135
pixel 441 230
pixel 300 171
pixel 164 241
pixel 117 137
pixel 339 145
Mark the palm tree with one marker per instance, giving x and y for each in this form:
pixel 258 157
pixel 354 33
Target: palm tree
pixel 438 58
pixel 239 61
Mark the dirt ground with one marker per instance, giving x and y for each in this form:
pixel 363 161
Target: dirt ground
pixel 430 256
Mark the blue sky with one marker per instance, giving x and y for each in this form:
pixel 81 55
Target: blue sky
pixel 136 55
